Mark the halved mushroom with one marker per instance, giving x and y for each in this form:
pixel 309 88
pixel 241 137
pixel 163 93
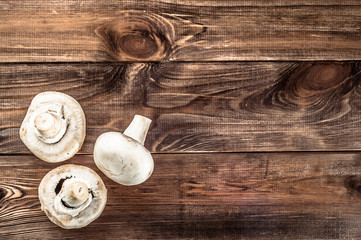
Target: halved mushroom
pixel 54 127
pixel 122 157
pixel 72 196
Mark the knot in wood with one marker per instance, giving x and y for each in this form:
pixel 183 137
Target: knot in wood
pixel 10 192
pixel 138 36
pixel 353 185
pixel 309 83
pixel 3 193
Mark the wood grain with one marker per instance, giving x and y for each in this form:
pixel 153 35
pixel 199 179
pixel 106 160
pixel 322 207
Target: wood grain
pixel 218 196
pixel 256 109
pixel 197 107
pixel 101 31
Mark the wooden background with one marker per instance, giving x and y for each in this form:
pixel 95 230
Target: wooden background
pixel 256 109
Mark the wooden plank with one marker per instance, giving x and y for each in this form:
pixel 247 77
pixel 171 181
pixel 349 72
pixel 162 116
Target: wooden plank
pixel 72 31
pixel 196 107
pixel 221 196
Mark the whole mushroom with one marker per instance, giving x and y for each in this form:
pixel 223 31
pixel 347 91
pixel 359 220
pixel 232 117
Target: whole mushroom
pixel 122 157
pixel 54 127
pixel 72 196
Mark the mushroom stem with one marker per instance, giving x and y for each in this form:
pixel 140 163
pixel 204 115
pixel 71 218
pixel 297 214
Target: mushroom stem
pixel 73 197
pixel 50 125
pixel 44 122
pixel 47 124
pixel 77 194
pixel 138 128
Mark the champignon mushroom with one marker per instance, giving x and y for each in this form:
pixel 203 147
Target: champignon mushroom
pixel 122 157
pixel 72 196
pixel 54 127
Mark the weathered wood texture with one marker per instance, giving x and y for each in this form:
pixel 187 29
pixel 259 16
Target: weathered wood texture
pixel 222 107
pixel 76 31
pixel 219 196
pixel 214 76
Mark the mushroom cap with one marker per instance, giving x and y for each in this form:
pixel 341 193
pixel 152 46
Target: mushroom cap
pixel 73 137
pixel 51 184
pixel 122 159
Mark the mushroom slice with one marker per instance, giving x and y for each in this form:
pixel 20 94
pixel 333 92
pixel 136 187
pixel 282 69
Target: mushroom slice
pixel 122 157
pixel 54 127
pixel 72 196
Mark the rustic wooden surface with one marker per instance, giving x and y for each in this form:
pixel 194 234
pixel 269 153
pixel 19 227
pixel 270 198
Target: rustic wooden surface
pixel 76 31
pixel 224 195
pixel 256 109
pixel 197 107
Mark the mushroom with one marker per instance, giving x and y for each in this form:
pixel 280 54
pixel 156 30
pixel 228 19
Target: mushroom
pixel 72 196
pixel 122 157
pixel 54 127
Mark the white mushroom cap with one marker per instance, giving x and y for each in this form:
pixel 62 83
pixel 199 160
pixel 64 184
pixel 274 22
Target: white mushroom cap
pixel 72 196
pixel 54 127
pixel 123 158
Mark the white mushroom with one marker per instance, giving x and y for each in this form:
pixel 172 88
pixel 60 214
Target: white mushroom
pixel 72 196
pixel 54 127
pixel 122 157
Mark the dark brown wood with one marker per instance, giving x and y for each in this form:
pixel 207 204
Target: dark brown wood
pixel 38 31
pixel 229 195
pixel 262 120
pixel 195 107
